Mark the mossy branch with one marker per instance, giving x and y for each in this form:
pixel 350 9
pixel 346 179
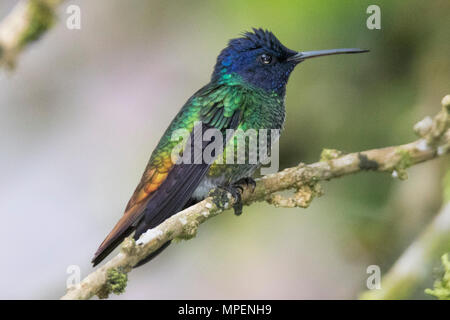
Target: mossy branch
pixel 434 141
pixel 442 286
pixel 26 23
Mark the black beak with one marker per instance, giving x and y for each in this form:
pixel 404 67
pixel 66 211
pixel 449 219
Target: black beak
pixel 300 56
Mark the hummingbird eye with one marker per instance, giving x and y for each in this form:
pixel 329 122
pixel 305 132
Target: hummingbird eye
pixel 265 58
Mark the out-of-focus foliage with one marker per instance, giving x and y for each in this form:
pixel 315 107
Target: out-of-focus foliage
pixel 446 186
pixel 442 287
pixel 82 112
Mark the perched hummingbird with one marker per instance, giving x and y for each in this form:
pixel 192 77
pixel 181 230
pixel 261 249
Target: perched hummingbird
pixel 246 91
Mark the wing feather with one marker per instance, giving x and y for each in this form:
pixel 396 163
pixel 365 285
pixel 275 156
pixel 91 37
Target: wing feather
pixel 165 187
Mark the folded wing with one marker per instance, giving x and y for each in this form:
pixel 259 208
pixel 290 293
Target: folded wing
pixel 165 186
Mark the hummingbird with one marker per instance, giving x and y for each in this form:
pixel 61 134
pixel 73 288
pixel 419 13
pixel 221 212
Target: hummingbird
pixel 246 91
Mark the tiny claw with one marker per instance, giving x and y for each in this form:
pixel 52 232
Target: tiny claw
pixel 236 192
pixel 237 189
pixel 237 207
pixel 249 182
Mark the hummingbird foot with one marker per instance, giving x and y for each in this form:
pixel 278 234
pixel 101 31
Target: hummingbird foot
pixel 235 190
pixel 222 193
pixel 248 182
pixel 238 187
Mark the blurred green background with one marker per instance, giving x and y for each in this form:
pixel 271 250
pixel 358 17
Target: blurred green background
pixel 83 110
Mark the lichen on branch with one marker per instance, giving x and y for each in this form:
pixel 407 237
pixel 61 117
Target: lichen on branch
pixel 442 287
pixel 26 23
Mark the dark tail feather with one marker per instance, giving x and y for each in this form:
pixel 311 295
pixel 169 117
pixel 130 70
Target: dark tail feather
pixel 116 242
pixel 153 254
pixel 141 229
pixel 98 258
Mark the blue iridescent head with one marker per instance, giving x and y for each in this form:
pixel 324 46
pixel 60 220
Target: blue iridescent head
pixel 260 59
